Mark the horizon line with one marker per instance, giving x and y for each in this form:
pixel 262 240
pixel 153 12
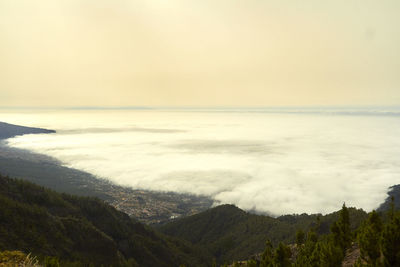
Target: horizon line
pixel 159 107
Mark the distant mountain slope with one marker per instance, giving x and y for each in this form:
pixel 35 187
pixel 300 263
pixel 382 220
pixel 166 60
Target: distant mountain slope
pixel 86 230
pixel 394 191
pixel 230 233
pixel 10 130
pixel 51 174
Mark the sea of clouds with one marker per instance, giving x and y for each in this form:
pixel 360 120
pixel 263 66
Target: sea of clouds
pixel 272 162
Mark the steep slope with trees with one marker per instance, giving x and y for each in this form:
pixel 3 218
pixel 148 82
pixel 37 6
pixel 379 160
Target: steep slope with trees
pixel 233 234
pixel 83 230
pixel 393 195
pixel 375 243
pixel 79 231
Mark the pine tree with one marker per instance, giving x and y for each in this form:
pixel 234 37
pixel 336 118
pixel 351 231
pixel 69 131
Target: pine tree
pixel 341 229
pixel 369 239
pixel 267 256
pixel 314 259
pixel 304 257
pixel 330 255
pixel 390 243
pixel 282 256
pixel 391 208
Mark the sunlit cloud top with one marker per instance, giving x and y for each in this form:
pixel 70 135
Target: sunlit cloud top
pixel 199 53
pixel 277 163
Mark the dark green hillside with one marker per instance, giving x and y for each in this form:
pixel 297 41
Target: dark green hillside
pixel 53 175
pixel 9 130
pixel 376 243
pixel 394 192
pixel 229 233
pixel 86 230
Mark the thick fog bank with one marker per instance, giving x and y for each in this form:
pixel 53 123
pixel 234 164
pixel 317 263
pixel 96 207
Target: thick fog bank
pixel 269 162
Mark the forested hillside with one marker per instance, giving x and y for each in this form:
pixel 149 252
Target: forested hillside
pixel 77 231
pixel 393 195
pixel 82 230
pixel 376 243
pixel 230 233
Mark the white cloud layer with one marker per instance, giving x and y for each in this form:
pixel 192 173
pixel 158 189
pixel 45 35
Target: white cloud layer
pixel 269 162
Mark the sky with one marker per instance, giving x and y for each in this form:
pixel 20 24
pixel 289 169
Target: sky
pixel 199 53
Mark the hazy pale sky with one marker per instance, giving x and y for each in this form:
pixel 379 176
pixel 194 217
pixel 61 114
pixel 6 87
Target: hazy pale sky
pixel 199 53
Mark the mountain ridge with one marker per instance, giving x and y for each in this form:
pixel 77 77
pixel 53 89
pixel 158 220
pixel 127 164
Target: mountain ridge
pixel 8 130
pixel 230 233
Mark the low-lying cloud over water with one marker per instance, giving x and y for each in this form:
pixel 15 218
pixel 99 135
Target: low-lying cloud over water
pixel 271 162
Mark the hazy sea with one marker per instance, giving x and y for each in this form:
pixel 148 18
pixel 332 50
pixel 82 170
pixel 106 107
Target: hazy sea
pixel 277 161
